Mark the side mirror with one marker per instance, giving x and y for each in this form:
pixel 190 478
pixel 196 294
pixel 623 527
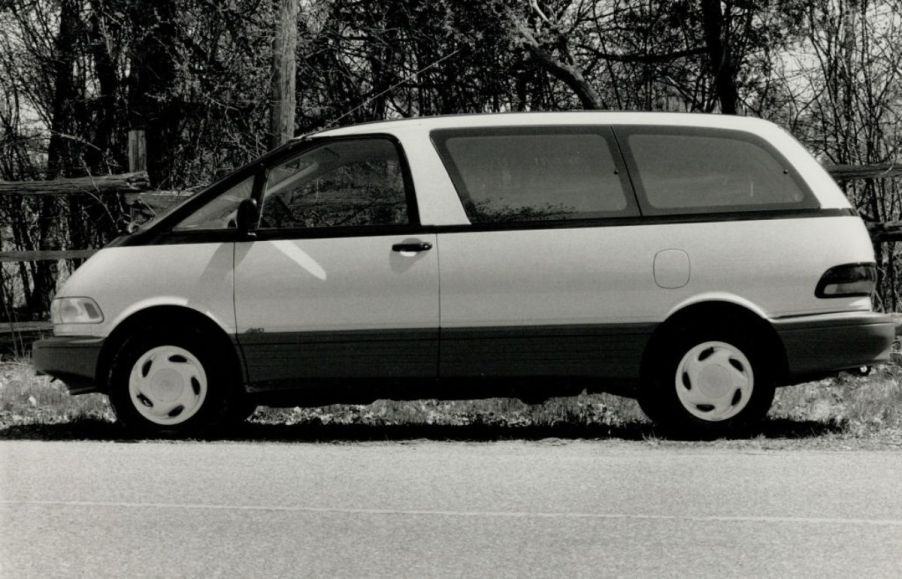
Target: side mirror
pixel 247 218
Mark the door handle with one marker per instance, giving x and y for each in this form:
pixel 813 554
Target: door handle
pixel 411 247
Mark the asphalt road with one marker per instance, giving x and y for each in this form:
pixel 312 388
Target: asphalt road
pixel 584 508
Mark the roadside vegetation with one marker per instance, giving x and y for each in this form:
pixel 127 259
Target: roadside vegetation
pixel 849 411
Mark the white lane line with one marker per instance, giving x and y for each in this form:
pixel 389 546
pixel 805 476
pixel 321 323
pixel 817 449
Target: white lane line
pixel 487 514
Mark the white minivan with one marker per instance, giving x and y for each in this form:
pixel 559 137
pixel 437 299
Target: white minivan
pixel 694 262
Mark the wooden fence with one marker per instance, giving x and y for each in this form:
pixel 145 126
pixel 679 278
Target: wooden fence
pixel 134 187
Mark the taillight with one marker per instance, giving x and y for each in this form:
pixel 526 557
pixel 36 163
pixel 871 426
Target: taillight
pixel 852 279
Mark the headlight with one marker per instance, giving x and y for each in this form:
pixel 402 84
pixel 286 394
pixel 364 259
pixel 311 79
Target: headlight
pixel 75 311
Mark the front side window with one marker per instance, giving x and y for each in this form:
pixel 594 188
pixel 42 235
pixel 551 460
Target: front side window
pixel 706 171
pixel 534 174
pixel 339 184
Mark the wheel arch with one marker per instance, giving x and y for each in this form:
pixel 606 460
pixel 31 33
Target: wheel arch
pixel 716 311
pixel 160 316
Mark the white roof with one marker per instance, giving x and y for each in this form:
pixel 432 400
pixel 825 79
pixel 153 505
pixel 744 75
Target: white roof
pixel 555 118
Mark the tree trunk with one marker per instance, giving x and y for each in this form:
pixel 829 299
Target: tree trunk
pixel 62 157
pixel 284 66
pixel 720 56
pixel 151 100
pixel 108 83
pixel 60 153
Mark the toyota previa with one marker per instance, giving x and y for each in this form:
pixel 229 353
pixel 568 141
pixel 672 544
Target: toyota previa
pixel 694 262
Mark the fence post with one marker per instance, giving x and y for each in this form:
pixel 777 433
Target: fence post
pixel 137 150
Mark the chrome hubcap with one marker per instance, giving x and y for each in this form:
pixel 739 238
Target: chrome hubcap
pixel 714 381
pixel 167 385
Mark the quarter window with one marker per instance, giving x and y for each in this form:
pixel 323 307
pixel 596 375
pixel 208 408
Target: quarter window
pixel 220 212
pixel 709 171
pixel 339 184
pixel 536 174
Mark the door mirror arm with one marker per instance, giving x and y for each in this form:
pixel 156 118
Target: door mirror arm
pixel 247 218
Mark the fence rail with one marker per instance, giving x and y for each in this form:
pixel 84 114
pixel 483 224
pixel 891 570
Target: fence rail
pixel 121 183
pixel 15 256
pixel 24 327
pixel 851 172
pixel 16 337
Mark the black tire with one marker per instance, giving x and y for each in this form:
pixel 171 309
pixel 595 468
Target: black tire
pixel 172 382
pixel 708 382
pixel 241 408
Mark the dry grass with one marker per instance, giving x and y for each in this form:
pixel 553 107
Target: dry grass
pixel 841 410
pixel 29 399
pixel 862 407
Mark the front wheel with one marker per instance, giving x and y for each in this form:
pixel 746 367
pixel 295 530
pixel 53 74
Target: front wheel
pixel 169 384
pixel 708 383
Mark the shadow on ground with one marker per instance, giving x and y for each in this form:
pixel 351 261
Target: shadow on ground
pixel 101 430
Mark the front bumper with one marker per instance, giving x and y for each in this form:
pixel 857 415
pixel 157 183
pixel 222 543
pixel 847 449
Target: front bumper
pixel 72 359
pixel 828 343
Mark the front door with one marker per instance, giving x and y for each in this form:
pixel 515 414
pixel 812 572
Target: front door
pixel 338 283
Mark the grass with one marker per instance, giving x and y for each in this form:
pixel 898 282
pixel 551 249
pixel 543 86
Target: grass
pixel 26 398
pixel 848 410
pixel 861 407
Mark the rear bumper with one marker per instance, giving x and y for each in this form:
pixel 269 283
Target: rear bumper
pixel 72 359
pixel 824 344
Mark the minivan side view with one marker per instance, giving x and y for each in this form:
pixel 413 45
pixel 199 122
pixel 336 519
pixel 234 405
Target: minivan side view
pixel 694 262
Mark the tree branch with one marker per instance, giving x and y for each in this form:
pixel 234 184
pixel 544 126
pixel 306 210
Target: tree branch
pixel 647 58
pixel 568 74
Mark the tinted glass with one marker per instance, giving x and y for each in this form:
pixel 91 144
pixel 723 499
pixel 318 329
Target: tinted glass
pixel 703 173
pixel 341 184
pixel 534 177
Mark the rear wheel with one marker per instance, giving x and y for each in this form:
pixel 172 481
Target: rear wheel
pixel 172 383
pixel 708 382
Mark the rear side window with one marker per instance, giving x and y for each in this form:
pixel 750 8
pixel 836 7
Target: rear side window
pixel 535 174
pixel 710 170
